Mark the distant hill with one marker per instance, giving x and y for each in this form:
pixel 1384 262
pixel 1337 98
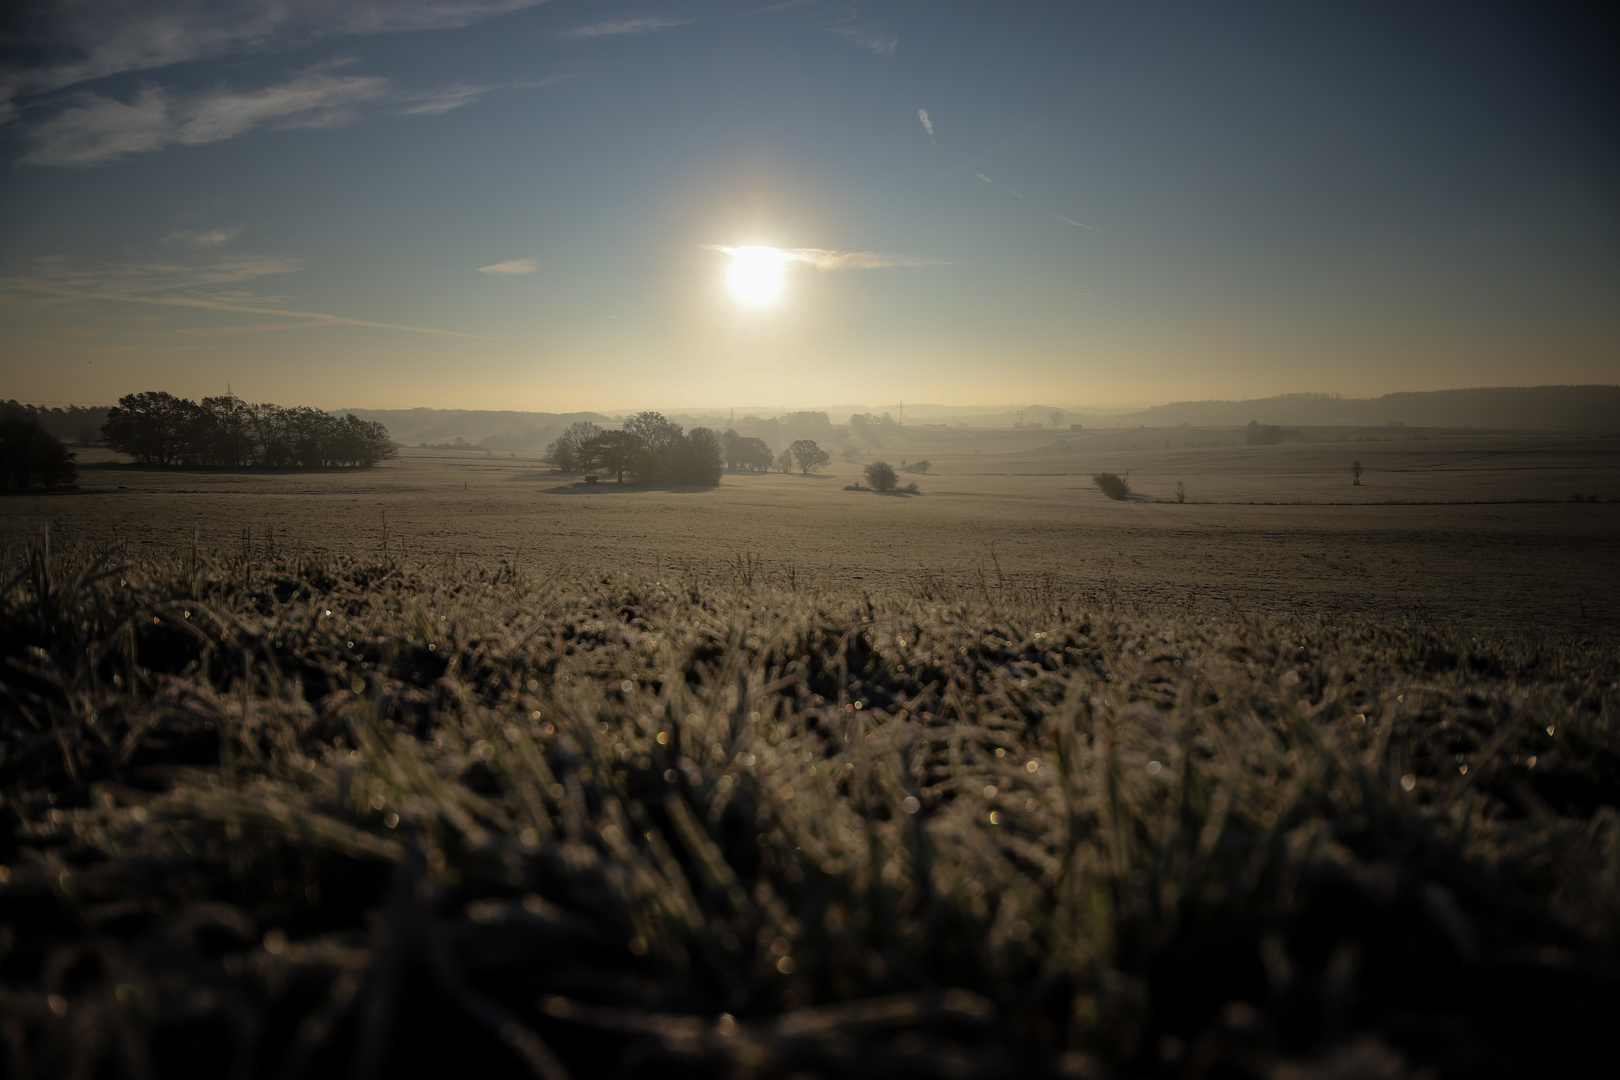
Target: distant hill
pixel 1543 408
pixel 487 429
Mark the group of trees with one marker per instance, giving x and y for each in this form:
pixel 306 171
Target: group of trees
pixel 29 454
pixel 75 423
pixel 873 429
pixel 1258 434
pixel 747 453
pixel 656 449
pixel 648 444
pixel 157 428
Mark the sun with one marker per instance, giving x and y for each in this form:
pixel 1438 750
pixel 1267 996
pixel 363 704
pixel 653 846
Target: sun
pixel 755 277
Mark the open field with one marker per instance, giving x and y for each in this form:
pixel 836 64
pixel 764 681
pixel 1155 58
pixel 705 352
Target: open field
pixel 320 774
pixel 1476 529
pixel 313 816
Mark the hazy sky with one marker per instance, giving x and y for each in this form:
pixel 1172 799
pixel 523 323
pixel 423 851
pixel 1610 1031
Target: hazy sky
pixel 511 204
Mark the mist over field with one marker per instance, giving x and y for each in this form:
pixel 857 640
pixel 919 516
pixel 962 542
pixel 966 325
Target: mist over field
pixel 704 538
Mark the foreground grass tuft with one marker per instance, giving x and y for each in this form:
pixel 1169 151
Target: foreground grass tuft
pixel 313 816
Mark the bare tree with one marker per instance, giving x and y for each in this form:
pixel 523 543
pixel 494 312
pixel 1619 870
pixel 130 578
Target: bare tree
pixel 1355 472
pixel 1056 416
pixel 564 450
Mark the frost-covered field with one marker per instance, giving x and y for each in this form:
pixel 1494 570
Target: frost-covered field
pixel 288 814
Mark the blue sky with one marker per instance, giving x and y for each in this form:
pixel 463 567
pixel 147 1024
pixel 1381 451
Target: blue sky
pixel 506 204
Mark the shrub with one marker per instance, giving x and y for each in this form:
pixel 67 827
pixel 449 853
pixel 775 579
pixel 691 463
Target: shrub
pixel 920 467
pixel 880 474
pixel 1112 486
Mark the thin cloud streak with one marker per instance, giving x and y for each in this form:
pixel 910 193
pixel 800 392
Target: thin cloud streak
pixel 511 268
pixel 823 259
pixel 630 24
pixel 316 318
pixel 171 285
pixel 441 100
pixel 1078 224
pixel 928 125
pixel 207 238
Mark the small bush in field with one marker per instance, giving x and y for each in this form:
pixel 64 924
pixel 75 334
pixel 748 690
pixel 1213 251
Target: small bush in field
pixel 1112 486
pixel 881 475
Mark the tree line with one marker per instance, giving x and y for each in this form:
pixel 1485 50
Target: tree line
pixel 76 423
pixel 157 428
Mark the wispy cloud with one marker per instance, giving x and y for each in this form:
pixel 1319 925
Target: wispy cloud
pixel 983 177
pixel 97 129
pixel 1077 224
pixel 873 37
pixel 928 125
pixel 823 259
pixel 72 41
pixel 206 238
pixel 442 99
pixel 629 24
pixel 511 268
pixel 100 129
pixel 186 285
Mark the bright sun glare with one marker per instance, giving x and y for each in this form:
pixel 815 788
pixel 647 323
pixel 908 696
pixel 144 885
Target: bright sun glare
pixel 755 277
